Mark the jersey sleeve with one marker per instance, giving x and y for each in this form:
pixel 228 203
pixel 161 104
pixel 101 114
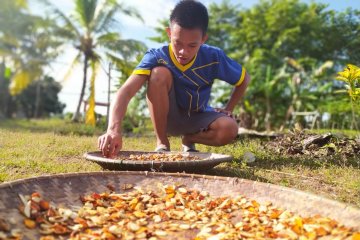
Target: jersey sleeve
pixel 229 70
pixel 147 63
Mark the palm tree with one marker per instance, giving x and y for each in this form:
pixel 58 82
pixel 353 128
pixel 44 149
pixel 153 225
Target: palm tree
pixel 89 30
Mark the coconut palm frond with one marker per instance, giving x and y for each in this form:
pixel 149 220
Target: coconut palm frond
pixel 121 63
pixel 105 17
pixel 130 11
pixel 126 67
pixel 66 33
pixel 108 37
pixel 85 11
pixel 126 48
pixel 75 62
pixel 69 26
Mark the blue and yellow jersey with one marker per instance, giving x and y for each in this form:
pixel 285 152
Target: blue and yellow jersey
pixel 193 81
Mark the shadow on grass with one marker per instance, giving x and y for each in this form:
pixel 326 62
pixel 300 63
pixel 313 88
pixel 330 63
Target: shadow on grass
pixel 230 170
pixel 276 162
pixel 56 126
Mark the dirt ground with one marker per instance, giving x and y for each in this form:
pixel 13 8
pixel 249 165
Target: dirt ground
pixel 335 147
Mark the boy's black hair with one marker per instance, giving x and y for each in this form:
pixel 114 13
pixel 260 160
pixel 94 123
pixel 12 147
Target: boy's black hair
pixel 190 14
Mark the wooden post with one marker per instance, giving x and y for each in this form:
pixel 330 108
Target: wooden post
pixel 108 107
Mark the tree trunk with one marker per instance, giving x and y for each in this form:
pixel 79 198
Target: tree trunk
pixel 288 115
pixel 3 89
pixel 38 99
pixel 77 113
pixel 268 115
pixel 354 124
pixel 108 107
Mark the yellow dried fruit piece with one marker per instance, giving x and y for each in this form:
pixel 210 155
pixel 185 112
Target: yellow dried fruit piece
pixel 160 233
pixel 44 205
pixel 29 223
pixel 184 226
pixel 275 214
pixel 356 236
pixel 139 214
pixel 144 213
pixel 133 226
pixel 320 231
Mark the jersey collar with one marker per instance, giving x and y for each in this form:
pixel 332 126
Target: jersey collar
pixel 182 68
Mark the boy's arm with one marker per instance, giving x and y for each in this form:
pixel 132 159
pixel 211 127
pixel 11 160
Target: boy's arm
pixel 237 94
pixel 110 143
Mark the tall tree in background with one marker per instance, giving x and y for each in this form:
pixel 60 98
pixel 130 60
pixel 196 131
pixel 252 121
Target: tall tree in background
pixel 48 104
pixel 90 29
pixel 276 30
pixel 26 47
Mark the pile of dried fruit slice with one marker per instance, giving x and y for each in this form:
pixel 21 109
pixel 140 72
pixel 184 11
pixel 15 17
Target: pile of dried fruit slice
pixel 163 157
pixel 174 212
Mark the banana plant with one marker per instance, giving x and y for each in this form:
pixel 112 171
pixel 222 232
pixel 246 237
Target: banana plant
pixel 304 86
pixel 351 77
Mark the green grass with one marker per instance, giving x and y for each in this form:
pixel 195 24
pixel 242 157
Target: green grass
pixel 34 148
pixel 54 125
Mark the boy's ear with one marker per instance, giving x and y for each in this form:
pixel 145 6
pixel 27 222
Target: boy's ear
pixel 168 31
pixel 205 38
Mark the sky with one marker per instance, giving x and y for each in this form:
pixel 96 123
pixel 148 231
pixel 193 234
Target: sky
pixel 131 28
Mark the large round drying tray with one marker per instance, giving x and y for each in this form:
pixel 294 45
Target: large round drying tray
pixel 65 189
pixel 122 161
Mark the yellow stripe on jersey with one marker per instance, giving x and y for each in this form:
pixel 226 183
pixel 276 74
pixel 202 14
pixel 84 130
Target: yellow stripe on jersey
pixel 191 80
pixel 183 68
pixel 243 72
pixel 207 65
pixel 141 72
pixel 190 102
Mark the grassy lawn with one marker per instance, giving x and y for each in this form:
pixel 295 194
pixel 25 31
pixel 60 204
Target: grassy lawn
pixel 34 148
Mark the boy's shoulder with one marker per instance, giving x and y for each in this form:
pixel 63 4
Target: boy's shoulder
pixel 209 51
pixel 206 47
pixel 205 52
pixel 159 50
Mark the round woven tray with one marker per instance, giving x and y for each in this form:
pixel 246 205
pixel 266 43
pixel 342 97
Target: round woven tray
pixel 207 161
pixel 65 190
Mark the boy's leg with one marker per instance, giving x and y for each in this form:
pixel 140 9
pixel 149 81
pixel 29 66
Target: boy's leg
pixel 220 132
pixel 157 97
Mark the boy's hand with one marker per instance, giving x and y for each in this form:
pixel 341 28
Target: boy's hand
pixel 228 113
pixel 110 144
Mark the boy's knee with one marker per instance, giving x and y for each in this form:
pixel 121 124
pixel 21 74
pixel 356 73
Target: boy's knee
pixel 227 132
pixel 161 75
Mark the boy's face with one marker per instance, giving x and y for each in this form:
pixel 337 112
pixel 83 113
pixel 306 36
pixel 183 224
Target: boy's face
pixel 185 42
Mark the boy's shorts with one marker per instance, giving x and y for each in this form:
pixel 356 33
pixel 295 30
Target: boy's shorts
pixel 180 123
